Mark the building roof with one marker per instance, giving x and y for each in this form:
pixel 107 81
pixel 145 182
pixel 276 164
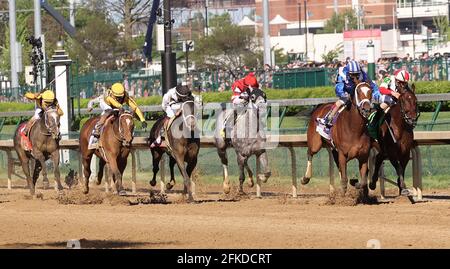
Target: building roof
pixel 278 20
pixel 246 21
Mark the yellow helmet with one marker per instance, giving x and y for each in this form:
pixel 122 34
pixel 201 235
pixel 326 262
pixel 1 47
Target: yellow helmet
pixel 48 96
pixel 118 90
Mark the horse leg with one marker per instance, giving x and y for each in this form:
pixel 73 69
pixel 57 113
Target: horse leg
pixel 36 169
pixel 241 160
pixel 400 177
pixel 250 182
pixel 264 162
pixel 314 145
pixel 222 151
pixel 86 172
pixel 25 162
pixel 101 167
pixel 45 182
pixel 172 163
pixel 308 174
pixel 363 169
pixel 40 158
pixel 376 171
pixel 156 156
pixel 187 180
pixel 343 172
pixel 189 169
pixel 117 176
pixel 55 159
pixel 403 164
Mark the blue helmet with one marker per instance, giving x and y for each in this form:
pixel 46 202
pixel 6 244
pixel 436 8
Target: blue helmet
pixel 353 67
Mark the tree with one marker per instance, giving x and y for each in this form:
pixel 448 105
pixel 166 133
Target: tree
pixel 228 46
pixel 442 24
pixel 337 22
pixel 129 12
pixel 333 54
pixel 97 45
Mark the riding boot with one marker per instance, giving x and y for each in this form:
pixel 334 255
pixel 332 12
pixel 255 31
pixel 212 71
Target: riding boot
pixel 328 119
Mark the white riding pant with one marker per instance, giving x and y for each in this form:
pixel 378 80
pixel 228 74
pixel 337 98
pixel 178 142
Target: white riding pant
pixel 172 109
pixel 104 106
pixel 37 112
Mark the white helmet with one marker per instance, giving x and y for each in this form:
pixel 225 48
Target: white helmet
pixel 401 75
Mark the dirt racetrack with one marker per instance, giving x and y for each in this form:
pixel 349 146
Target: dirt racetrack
pixel 276 221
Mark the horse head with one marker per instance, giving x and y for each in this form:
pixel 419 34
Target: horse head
pixel 187 111
pixel 363 95
pixel 51 120
pixel 126 127
pixel 258 97
pixel 408 106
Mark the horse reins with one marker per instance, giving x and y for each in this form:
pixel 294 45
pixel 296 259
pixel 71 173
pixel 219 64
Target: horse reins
pixel 121 138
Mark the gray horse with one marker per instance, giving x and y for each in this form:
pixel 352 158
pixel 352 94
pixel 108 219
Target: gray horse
pixel 44 137
pixel 248 138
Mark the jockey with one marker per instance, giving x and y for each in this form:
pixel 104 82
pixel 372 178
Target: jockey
pixel 345 87
pixel 241 89
pixel 115 98
pixel 389 88
pixel 44 100
pixel 171 103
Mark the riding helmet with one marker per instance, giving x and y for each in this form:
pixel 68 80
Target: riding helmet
pixel 353 67
pixel 48 96
pixel 118 90
pixel 182 90
pixel 401 75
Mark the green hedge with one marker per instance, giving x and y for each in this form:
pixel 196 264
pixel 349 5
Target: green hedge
pixel 422 87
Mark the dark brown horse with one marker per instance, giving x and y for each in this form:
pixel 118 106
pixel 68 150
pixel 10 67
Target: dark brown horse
pixel 44 137
pixel 184 141
pixel 114 147
pixel 349 136
pixel 395 143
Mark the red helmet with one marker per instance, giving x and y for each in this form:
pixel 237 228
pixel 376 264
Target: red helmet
pixel 251 81
pixel 401 75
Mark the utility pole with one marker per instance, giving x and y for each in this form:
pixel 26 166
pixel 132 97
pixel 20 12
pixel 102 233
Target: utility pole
pixel 72 12
pixel 169 67
pixel 299 18
pixel 266 32
pixel 12 48
pixel 413 29
pixel 306 31
pixel 206 17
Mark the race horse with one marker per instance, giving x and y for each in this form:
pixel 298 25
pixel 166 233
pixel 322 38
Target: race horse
pixel 181 143
pixel 349 137
pixel 396 137
pixel 247 137
pixel 44 136
pixel 114 146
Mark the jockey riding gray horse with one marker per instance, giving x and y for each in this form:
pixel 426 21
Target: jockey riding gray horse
pixel 247 136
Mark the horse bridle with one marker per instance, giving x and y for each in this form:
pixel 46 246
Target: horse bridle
pixel 408 120
pixel 188 116
pixel 121 137
pixel 360 103
pixel 46 117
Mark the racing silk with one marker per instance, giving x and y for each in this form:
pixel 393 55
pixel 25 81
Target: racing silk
pixel 112 102
pixel 42 105
pixel 388 86
pixel 345 85
pixel 237 88
pixel 170 102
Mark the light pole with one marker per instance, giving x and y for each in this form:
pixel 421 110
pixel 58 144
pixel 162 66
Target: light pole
pixel 413 29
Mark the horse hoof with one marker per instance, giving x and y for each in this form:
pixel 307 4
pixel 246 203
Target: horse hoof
pixel 250 183
pixel 46 185
pixel 122 193
pixel 405 192
pixel 355 183
pixel 305 180
pixel 85 191
pixel 170 185
pixel 373 185
pixel 226 189
pixel 152 183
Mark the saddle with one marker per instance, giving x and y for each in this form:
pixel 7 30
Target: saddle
pixel 96 143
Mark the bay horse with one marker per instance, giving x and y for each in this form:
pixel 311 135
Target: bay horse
pixel 349 136
pixel 247 138
pixel 114 147
pixel 395 143
pixel 184 144
pixel 44 136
